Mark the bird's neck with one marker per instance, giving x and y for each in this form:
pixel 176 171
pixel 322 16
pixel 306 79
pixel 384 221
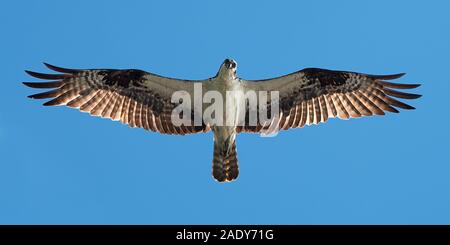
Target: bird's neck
pixel 226 74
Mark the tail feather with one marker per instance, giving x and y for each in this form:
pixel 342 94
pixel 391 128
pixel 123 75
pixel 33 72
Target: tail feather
pixel 225 163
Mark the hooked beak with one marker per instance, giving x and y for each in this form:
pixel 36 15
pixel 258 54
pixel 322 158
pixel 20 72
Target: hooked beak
pixel 230 64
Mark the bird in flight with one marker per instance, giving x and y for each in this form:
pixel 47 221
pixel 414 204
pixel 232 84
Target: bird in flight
pixel 145 100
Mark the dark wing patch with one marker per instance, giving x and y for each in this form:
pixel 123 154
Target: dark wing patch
pixel 115 94
pixel 325 77
pixel 123 78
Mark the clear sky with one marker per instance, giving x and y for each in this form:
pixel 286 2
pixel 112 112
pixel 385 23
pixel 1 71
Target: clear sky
pixel 60 166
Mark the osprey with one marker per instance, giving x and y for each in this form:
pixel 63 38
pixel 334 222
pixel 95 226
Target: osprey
pixel 144 100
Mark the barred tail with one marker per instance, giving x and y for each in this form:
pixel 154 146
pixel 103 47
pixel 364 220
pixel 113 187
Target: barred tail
pixel 225 164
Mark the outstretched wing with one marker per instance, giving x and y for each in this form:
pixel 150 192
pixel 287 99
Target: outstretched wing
pixel 312 95
pixel 135 97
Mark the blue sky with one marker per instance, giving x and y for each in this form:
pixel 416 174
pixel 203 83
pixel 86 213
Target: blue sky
pixel 59 166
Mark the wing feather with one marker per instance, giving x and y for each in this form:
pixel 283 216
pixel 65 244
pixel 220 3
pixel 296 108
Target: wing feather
pixel 342 112
pixel 369 104
pixel 83 97
pixel 353 112
pixel 330 106
pixel 298 117
pixel 98 109
pixel 116 112
pixel 304 114
pixel 131 112
pixel 292 116
pixel 362 109
pixel 109 106
pixel 89 105
pixel 323 106
pixel 137 115
pixel 401 94
pixel 398 85
pixel 48 94
pixel 317 111
pixel 44 84
pixel 311 115
pixel 145 116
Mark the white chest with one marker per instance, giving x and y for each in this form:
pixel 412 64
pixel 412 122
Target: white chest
pixel 228 105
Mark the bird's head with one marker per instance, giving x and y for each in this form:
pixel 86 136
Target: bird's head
pixel 228 69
